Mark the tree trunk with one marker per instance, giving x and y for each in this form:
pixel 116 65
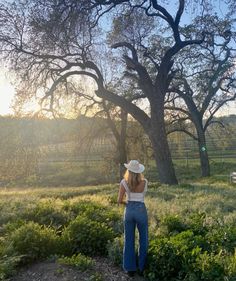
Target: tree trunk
pixel 204 160
pixel 163 159
pixel 154 127
pixel 122 143
pixel 158 137
pixel 197 118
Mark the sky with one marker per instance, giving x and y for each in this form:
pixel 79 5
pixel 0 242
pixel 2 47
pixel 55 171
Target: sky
pixel 7 90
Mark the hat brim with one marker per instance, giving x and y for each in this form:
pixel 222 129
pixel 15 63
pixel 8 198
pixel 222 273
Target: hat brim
pixel 137 171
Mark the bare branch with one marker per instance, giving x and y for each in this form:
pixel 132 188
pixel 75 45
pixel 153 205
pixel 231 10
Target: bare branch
pixel 220 104
pixel 129 46
pixel 176 108
pixel 183 131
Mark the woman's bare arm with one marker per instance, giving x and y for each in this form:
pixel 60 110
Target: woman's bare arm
pixel 121 194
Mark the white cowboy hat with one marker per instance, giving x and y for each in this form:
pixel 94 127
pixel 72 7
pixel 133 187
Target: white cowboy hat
pixel 134 166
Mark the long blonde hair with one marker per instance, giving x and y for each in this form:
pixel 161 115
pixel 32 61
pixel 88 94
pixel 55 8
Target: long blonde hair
pixel 133 179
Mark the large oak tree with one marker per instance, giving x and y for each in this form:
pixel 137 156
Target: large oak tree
pixel 50 42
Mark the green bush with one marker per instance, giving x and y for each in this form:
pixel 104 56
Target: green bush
pixel 209 267
pixel 230 267
pixel 46 213
pixel 171 225
pixel 97 212
pixel 112 199
pixel 109 217
pixel 187 248
pixel 163 263
pixel 197 223
pixel 79 261
pixel 115 250
pixel 222 238
pixel 11 226
pixel 173 257
pixel 192 257
pixel 33 241
pixel 87 236
pixel 82 207
pixel 8 265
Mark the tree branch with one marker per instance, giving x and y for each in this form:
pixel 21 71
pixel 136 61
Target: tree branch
pixel 216 109
pixel 126 45
pixel 101 92
pixel 184 131
pixel 144 80
pixel 179 12
pixel 176 108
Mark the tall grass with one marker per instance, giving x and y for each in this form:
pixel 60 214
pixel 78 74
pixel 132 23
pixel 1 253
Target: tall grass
pixel 216 198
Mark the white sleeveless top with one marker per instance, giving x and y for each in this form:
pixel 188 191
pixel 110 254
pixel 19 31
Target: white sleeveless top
pixel 134 196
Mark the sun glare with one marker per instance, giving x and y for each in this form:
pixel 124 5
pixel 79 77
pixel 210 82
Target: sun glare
pixel 6 96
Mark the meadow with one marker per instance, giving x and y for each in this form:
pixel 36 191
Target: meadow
pixel 192 227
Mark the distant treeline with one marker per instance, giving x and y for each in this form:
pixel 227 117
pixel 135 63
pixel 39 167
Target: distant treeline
pixel 25 142
pixel 49 131
pixel 40 132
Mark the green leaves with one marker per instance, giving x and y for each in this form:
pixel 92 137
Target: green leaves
pixel 34 241
pixel 79 261
pixel 199 252
pixel 88 236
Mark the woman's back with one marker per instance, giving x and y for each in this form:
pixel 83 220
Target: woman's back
pixel 138 193
pixel 140 187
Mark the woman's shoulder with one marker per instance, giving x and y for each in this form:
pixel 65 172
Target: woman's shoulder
pixel 124 184
pixel 122 181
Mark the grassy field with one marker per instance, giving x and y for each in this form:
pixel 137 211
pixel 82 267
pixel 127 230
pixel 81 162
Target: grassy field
pixel 54 174
pixel 192 226
pixel 216 198
pixel 214 202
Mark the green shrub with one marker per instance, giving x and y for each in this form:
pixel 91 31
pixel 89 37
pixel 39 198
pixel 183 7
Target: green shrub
pixel 46 213
pixel 197 223
pixel 173 257
pixel 230 267
pixel 222 237
pixel 187 248
pixel 208 267
pixel 172 225
pixel 87 236
pixel 192 257
pixel 79 261
pixel 33 241
pixel 97 212
pixel 112 199
pixel 7 266
pixel 115 250
pixel 82 207
pixel 11 226
pixel 162 263
pixel 109 217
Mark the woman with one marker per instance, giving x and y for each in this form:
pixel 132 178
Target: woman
pixel 134 186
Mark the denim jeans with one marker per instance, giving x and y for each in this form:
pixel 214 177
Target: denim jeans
pixel 135 215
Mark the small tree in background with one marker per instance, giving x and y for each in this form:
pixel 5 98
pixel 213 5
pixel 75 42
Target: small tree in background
pixel 206 86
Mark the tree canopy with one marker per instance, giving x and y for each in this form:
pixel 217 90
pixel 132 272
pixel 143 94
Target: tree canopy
pixel 49 43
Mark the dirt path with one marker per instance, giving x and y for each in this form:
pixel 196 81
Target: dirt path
pixel 51 271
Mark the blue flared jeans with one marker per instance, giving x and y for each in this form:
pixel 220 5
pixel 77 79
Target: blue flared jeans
pixel 135 215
